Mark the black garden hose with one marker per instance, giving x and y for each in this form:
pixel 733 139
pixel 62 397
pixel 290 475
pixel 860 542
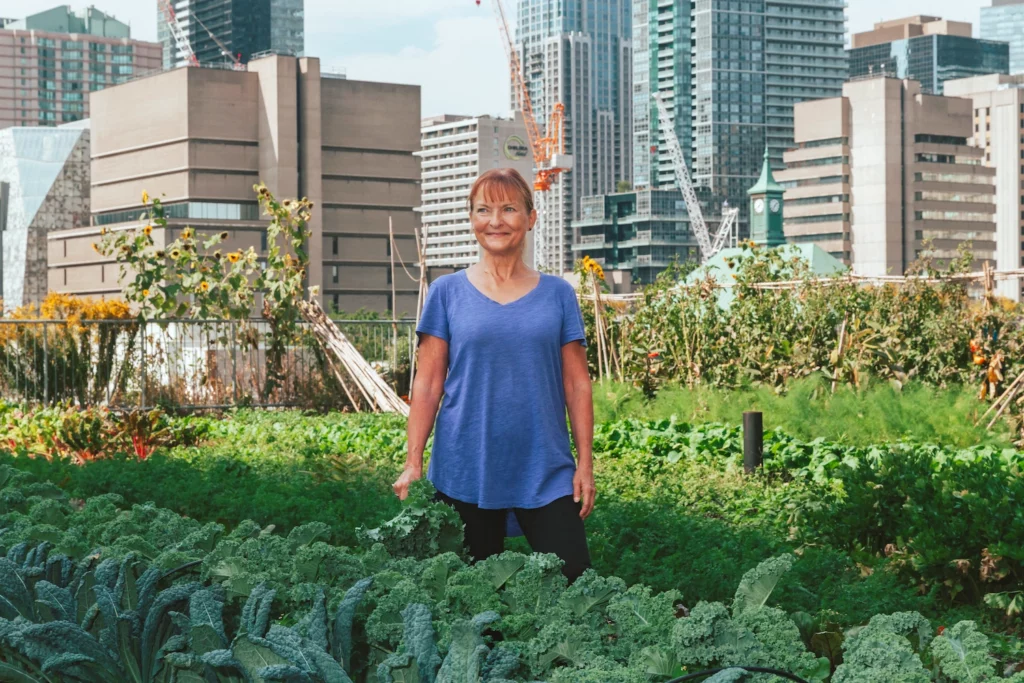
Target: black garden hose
pixel 751 669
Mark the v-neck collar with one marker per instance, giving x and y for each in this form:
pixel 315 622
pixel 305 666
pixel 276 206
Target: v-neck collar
pixel 469 283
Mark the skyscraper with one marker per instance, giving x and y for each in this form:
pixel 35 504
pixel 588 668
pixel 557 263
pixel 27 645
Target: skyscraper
pixel 54 59
pixel 929 50
pixel 1004 21
pixel 730 73
pixel 579 53
pixel 220 29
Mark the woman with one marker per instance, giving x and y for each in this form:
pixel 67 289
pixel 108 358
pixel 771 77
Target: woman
pixel 505 345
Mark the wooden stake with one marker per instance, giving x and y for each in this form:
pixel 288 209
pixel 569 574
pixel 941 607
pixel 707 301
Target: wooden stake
pixel 839 354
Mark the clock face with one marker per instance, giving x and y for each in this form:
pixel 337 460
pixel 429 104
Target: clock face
pixel 775 205
pixel 759 206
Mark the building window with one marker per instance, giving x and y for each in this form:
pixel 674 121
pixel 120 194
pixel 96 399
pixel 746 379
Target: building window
pixel 334 246
pixel 334 274
pixel 263 240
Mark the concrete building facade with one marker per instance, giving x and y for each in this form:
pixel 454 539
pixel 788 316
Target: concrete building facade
pixel 44 187
pixel 244 27
pixel 883 170
pixel 579 53
pixel 51 62
pixel 346 145
pixel 730 74
pixel 454 151
pixel 640 232
pixel 999 133
pixel 926 49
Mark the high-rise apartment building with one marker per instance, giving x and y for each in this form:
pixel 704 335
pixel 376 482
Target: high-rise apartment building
pixel 243 27
pixel 1004 21
pixel 50 62
pixel 346 145
pixel 929 50
pixel 579 53
pixel 640 232
pixel 730 73
pixel 999 132
pixel 884 171
pixel 454 151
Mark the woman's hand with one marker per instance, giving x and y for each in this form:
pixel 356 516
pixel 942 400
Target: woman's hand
pixel 583 488
pixel 409 475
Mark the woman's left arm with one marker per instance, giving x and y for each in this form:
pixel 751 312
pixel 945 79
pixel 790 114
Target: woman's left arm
pixel 579 401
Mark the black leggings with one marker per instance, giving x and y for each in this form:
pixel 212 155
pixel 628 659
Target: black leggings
pixel 555 528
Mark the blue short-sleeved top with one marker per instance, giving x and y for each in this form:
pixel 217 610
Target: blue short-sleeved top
pixel 500 440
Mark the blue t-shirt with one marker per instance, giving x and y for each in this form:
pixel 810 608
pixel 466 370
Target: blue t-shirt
pixel 501 440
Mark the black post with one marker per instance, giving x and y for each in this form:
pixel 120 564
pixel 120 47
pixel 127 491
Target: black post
pixel 753 441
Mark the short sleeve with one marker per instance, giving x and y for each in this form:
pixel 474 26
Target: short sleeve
pixel 572 318
pixel 434 318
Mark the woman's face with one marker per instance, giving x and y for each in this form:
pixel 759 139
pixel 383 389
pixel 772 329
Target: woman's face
pixel 501 223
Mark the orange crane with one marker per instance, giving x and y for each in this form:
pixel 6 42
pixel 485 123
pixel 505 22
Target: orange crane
pixel 548 150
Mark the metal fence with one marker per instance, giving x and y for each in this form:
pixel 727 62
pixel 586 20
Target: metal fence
pixel 186 364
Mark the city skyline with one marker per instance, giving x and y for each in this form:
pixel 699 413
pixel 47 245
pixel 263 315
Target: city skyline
pixel 440 42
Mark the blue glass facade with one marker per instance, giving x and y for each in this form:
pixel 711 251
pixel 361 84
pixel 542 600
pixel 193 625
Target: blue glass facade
pixel 931 60
pixel 732 71
pixel 579 53
pixel 1004 21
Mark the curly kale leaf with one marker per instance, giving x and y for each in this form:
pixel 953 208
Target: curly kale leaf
pixel 880 652
pixel 757 584
pixel 385 625
pixel 502 663
pixel 728 676
pixel 962 654
pixel 641 618
pixel 467 652
pixel 206 621
pixel 422 529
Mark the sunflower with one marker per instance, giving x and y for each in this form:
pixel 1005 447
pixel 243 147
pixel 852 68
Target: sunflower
pixel 148 230
pixel 95 247
pixel 224 235
pixel 175 253
pixel 217 255
pixel 145 292
pixel 234 257
pixel 160 253
pixel 204 286
pixel 103 231
pixel 145 197
pixel 186 233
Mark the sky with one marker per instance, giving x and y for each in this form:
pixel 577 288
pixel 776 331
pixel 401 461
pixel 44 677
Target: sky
pixel 449 47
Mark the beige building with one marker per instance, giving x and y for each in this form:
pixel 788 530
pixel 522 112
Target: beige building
pixel 201 138
pixel 51 62
pixel 999 132
pixel 454 151
pixel 880 171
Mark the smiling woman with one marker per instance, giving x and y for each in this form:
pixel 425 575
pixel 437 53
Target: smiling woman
pixel 504 345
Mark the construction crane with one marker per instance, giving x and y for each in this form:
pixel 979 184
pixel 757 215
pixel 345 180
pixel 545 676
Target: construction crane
pixel 180 39
pixel 549 155
pixel 698 225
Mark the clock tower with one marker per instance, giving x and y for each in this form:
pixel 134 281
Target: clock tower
pixel 766 209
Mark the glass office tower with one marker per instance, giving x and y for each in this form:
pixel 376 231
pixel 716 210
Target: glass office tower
pixel 732 71
pixel 1004 21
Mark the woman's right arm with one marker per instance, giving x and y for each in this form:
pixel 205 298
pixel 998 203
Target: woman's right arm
pixel 432 370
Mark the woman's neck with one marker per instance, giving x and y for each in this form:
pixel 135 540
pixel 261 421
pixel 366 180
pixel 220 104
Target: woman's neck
pixel 503 268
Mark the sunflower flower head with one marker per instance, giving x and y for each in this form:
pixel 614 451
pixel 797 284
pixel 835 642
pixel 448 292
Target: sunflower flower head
pixel 145 197
pixel 204 286
pixel 234 257
pixel 148 230
pixel 186 233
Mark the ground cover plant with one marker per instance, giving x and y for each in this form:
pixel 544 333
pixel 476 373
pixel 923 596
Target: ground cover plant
pixel 675 507
pixel 249 604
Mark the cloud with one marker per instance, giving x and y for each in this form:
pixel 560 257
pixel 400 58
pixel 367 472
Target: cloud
pixel 464 71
